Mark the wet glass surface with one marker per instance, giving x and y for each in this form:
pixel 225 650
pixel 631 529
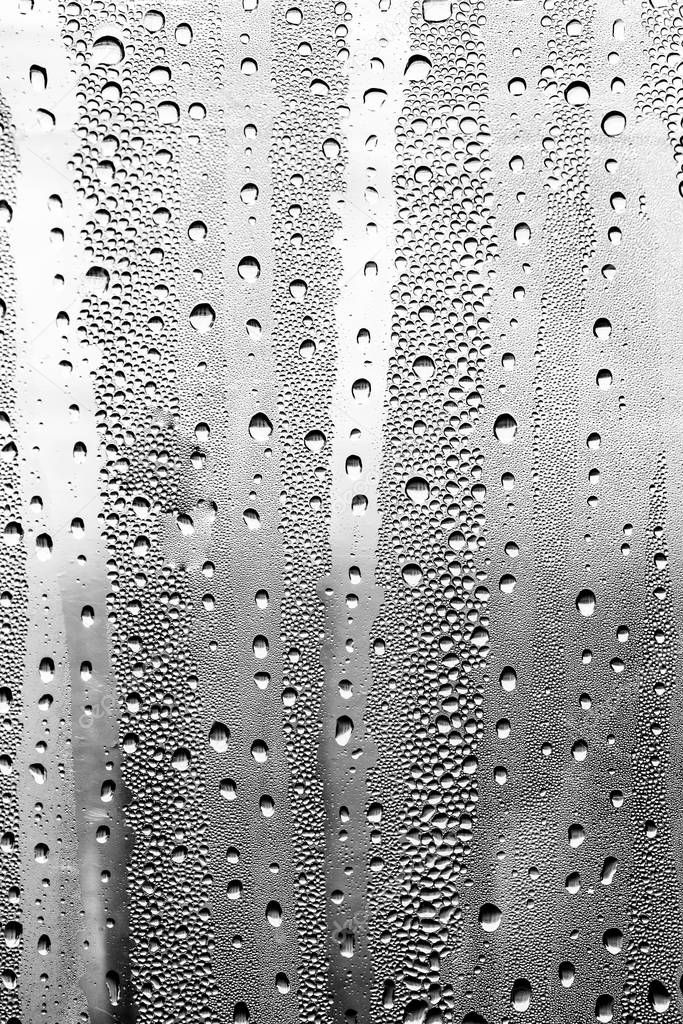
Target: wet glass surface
pixel 341 487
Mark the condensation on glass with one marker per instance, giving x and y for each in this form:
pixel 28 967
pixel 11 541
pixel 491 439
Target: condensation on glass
pixel 341 511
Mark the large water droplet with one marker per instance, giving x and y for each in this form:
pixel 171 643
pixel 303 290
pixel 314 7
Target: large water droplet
pixel 412 574
pixel 520 997
pixel 315 441
pixel 417 490
pixel 219 736
pixel 343 730
pixel 108 50
pixel 505 428
pixel 490 917
pixel 585 602
pixel 613 123
pixel 418 67
pixel 249 269
pixel 577 94
pixel 658 997
pixel 203 317
pixel 260 427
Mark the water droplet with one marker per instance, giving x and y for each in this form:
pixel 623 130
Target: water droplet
pixel 602 328
pixel 412 574
pixel 658 997
pixel 520 996
pixel 315 441
pixel 505 428
pixel 516 86
pixel 343 730
pixel 613 123
pixel 613 940
pixel 44 547
pixel 566 972
pixel 274 913
pixel 249 193
pixel 168 112
pixel 219 736
pixel 424 367
pixel 490 917
pixel 203 317
pixel 374 99
pixel 331 149
pixel 298 289
pixel 260 647
pixel 153 20
pixel 260 427
pixel 437 10
pixel 181 759
pixel 417 68
pixel 249 269
pixel 197 231
pixel 418 490
pixel 38 78
pixel 577 94
pixel 522 233
pixel 108 50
